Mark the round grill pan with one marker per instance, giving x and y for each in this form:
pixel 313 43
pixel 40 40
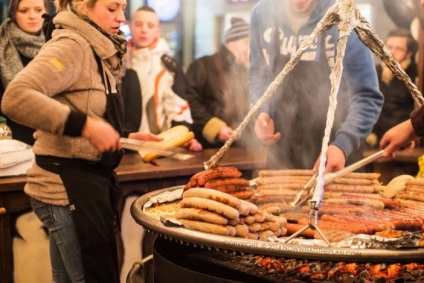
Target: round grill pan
pixel 233 244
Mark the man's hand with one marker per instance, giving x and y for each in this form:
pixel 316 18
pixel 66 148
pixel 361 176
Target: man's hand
pixel 193 145
pixel 264 129
pixel 225 133
pixel 398 137
pixel 336 160
pixel 144 136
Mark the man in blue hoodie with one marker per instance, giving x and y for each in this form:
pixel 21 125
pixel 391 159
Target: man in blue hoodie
pixel 293 121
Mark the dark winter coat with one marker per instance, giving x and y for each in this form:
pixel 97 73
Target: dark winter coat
pixel 218 96
pixel 398 101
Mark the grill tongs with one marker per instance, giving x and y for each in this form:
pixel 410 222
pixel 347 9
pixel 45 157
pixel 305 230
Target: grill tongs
pixel 316 200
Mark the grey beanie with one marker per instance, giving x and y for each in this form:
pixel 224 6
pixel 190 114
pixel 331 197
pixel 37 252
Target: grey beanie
pixel 239 29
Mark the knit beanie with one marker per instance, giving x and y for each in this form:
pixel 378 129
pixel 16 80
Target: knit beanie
pixel 239 29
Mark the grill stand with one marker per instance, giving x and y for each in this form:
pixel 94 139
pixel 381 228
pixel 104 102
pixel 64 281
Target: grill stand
pixel 312 213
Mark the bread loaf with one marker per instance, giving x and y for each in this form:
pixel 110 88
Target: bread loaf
pixel 174 137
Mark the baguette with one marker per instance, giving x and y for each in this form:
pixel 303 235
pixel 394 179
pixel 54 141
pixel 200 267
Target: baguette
pixel 174 137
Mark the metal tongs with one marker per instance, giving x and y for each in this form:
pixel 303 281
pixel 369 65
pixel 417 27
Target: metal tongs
pixel 315 202
pixel 306 190
pixel 330 177
pixel 151 147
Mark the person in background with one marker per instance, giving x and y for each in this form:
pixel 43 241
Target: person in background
pixel 153 87
pixel 398 101
pixel 292 122
pixel 21 39
pixel 68 93
pixel 153 84
pixel 217 89
pixel 404 134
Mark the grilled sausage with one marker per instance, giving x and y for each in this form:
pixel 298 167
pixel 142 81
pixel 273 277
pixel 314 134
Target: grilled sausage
pixel 252 207
pixel 293 228
pixel 213 195
pixel 226 182
pixel 242 230
pixel 210 205
pixel 356 228
pixel 200 215
pixel 206 227
pixel 214 173
pixel 230 188
pixel 247 194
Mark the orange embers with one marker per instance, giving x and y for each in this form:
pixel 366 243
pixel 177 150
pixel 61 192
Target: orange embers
pixel 270 263
pixel 352 268
pixel 327 270
pixel 343 268
pixel 385 271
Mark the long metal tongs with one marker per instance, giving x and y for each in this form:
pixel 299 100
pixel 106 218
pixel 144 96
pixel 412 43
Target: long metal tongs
pixel 330 177
pixel 151 147
pixel 305 191
pixel 315 202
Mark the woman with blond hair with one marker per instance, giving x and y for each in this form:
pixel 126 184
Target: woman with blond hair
pixel 69 95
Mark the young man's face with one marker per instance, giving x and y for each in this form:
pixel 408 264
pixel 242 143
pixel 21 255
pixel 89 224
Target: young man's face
pixel 301 6
pixel 145 28
pixel 240 48
pixel 398 46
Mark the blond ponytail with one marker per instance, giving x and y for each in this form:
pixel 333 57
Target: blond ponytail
pixel 61 5
pixel 79 5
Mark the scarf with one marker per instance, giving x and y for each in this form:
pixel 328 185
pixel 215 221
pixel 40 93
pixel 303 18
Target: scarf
pixel 118 40
pixel 16 42
pixel 387 75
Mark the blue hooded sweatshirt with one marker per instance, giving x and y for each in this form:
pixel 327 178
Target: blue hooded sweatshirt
pixel 300 105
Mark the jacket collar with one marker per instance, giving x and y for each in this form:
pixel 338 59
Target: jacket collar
pixel 227 57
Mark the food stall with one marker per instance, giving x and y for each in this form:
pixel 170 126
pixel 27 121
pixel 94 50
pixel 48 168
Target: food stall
pixel 365 236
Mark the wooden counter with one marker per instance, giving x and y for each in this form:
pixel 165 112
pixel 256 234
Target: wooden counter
pixel 135 177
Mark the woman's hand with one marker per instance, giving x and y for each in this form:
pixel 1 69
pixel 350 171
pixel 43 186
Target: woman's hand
pixel 104 137
pixel 101 134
